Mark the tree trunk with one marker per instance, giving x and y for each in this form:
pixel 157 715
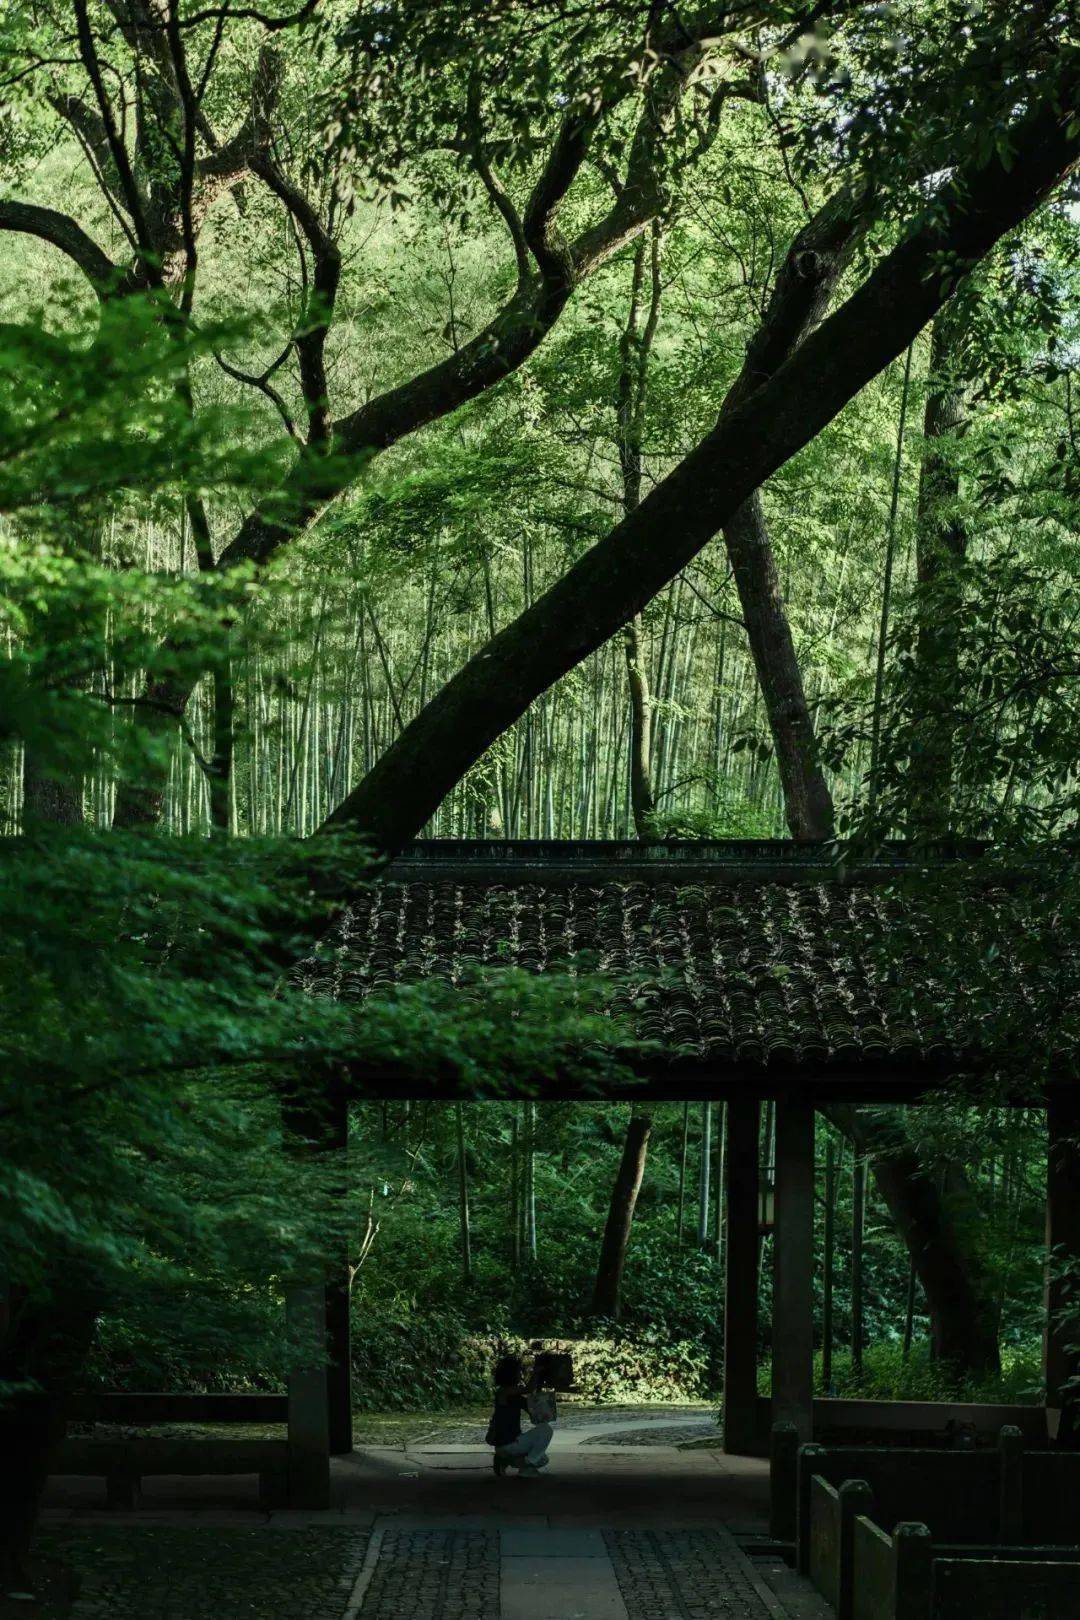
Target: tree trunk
pixel 463 1193
pixel 220 772
pixel 940 548
pixel 642 801
pixel 963 1319
pixel 50 797
pixel 609 1271
pixel 828 1263
pixel 704 1168
pixel 515 1190
pixel 634 350
pixel 807 800
pixel 858 1233
pixel 683 1157
pixel 530 1180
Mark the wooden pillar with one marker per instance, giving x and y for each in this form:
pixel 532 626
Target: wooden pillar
pixel 1062 1234
pixel 309 1431
pixel 741 1277
pixel 316 1119
pixel 338 1312
pixel 339 1365
pixel 793 1273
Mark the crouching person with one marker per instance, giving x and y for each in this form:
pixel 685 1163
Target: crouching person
pixel 527 1452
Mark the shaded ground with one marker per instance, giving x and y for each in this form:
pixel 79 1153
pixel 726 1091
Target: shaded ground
pixel 623 1526
pixel 418 1570
pixel 173 1572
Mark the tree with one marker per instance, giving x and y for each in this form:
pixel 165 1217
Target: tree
pixel 619 85
pixel 986 197
pixel 611 1264
pixel 940 550
pixel 634 348
pixel 161 1052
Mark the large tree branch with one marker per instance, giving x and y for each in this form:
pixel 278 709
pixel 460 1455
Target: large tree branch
pixel 504 344
pixel 644 552
pixel 63 233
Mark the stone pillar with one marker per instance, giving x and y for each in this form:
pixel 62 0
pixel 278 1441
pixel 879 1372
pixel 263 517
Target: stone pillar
pixel 309 1431
pixel 1062 1232
pixel 741 1278
pixel 793 1261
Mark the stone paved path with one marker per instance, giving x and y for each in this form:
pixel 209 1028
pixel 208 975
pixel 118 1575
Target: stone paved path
pixel 430 1575
pixel 418 1571
pixel 687 1575
pixel 167 1572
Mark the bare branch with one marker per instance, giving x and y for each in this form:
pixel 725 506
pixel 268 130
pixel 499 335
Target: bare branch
pixel 319 302
pixel 262 383
pixel 494 186
pixel 273 25
pixel 132 194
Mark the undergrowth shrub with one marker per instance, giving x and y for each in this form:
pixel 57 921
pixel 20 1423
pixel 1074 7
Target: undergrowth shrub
pixel 886 1376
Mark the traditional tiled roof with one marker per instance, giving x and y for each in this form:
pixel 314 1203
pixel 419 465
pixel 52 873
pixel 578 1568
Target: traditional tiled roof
pixel 761 957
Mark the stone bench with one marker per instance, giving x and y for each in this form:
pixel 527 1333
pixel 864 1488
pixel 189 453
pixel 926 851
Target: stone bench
pixel 124 1463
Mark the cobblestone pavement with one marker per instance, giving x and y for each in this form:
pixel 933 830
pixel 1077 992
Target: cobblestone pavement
pixel 168 1572
pixel 686 1575
pixel 434 1575
pixel 165 1572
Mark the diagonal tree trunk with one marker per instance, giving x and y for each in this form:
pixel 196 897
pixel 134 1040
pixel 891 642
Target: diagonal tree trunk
pixel 614 580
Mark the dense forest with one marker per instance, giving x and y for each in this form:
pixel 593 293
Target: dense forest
pixel 512 419
pixel 480 1225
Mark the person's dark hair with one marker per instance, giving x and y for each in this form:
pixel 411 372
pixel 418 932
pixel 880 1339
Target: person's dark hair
pixel 508 1371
